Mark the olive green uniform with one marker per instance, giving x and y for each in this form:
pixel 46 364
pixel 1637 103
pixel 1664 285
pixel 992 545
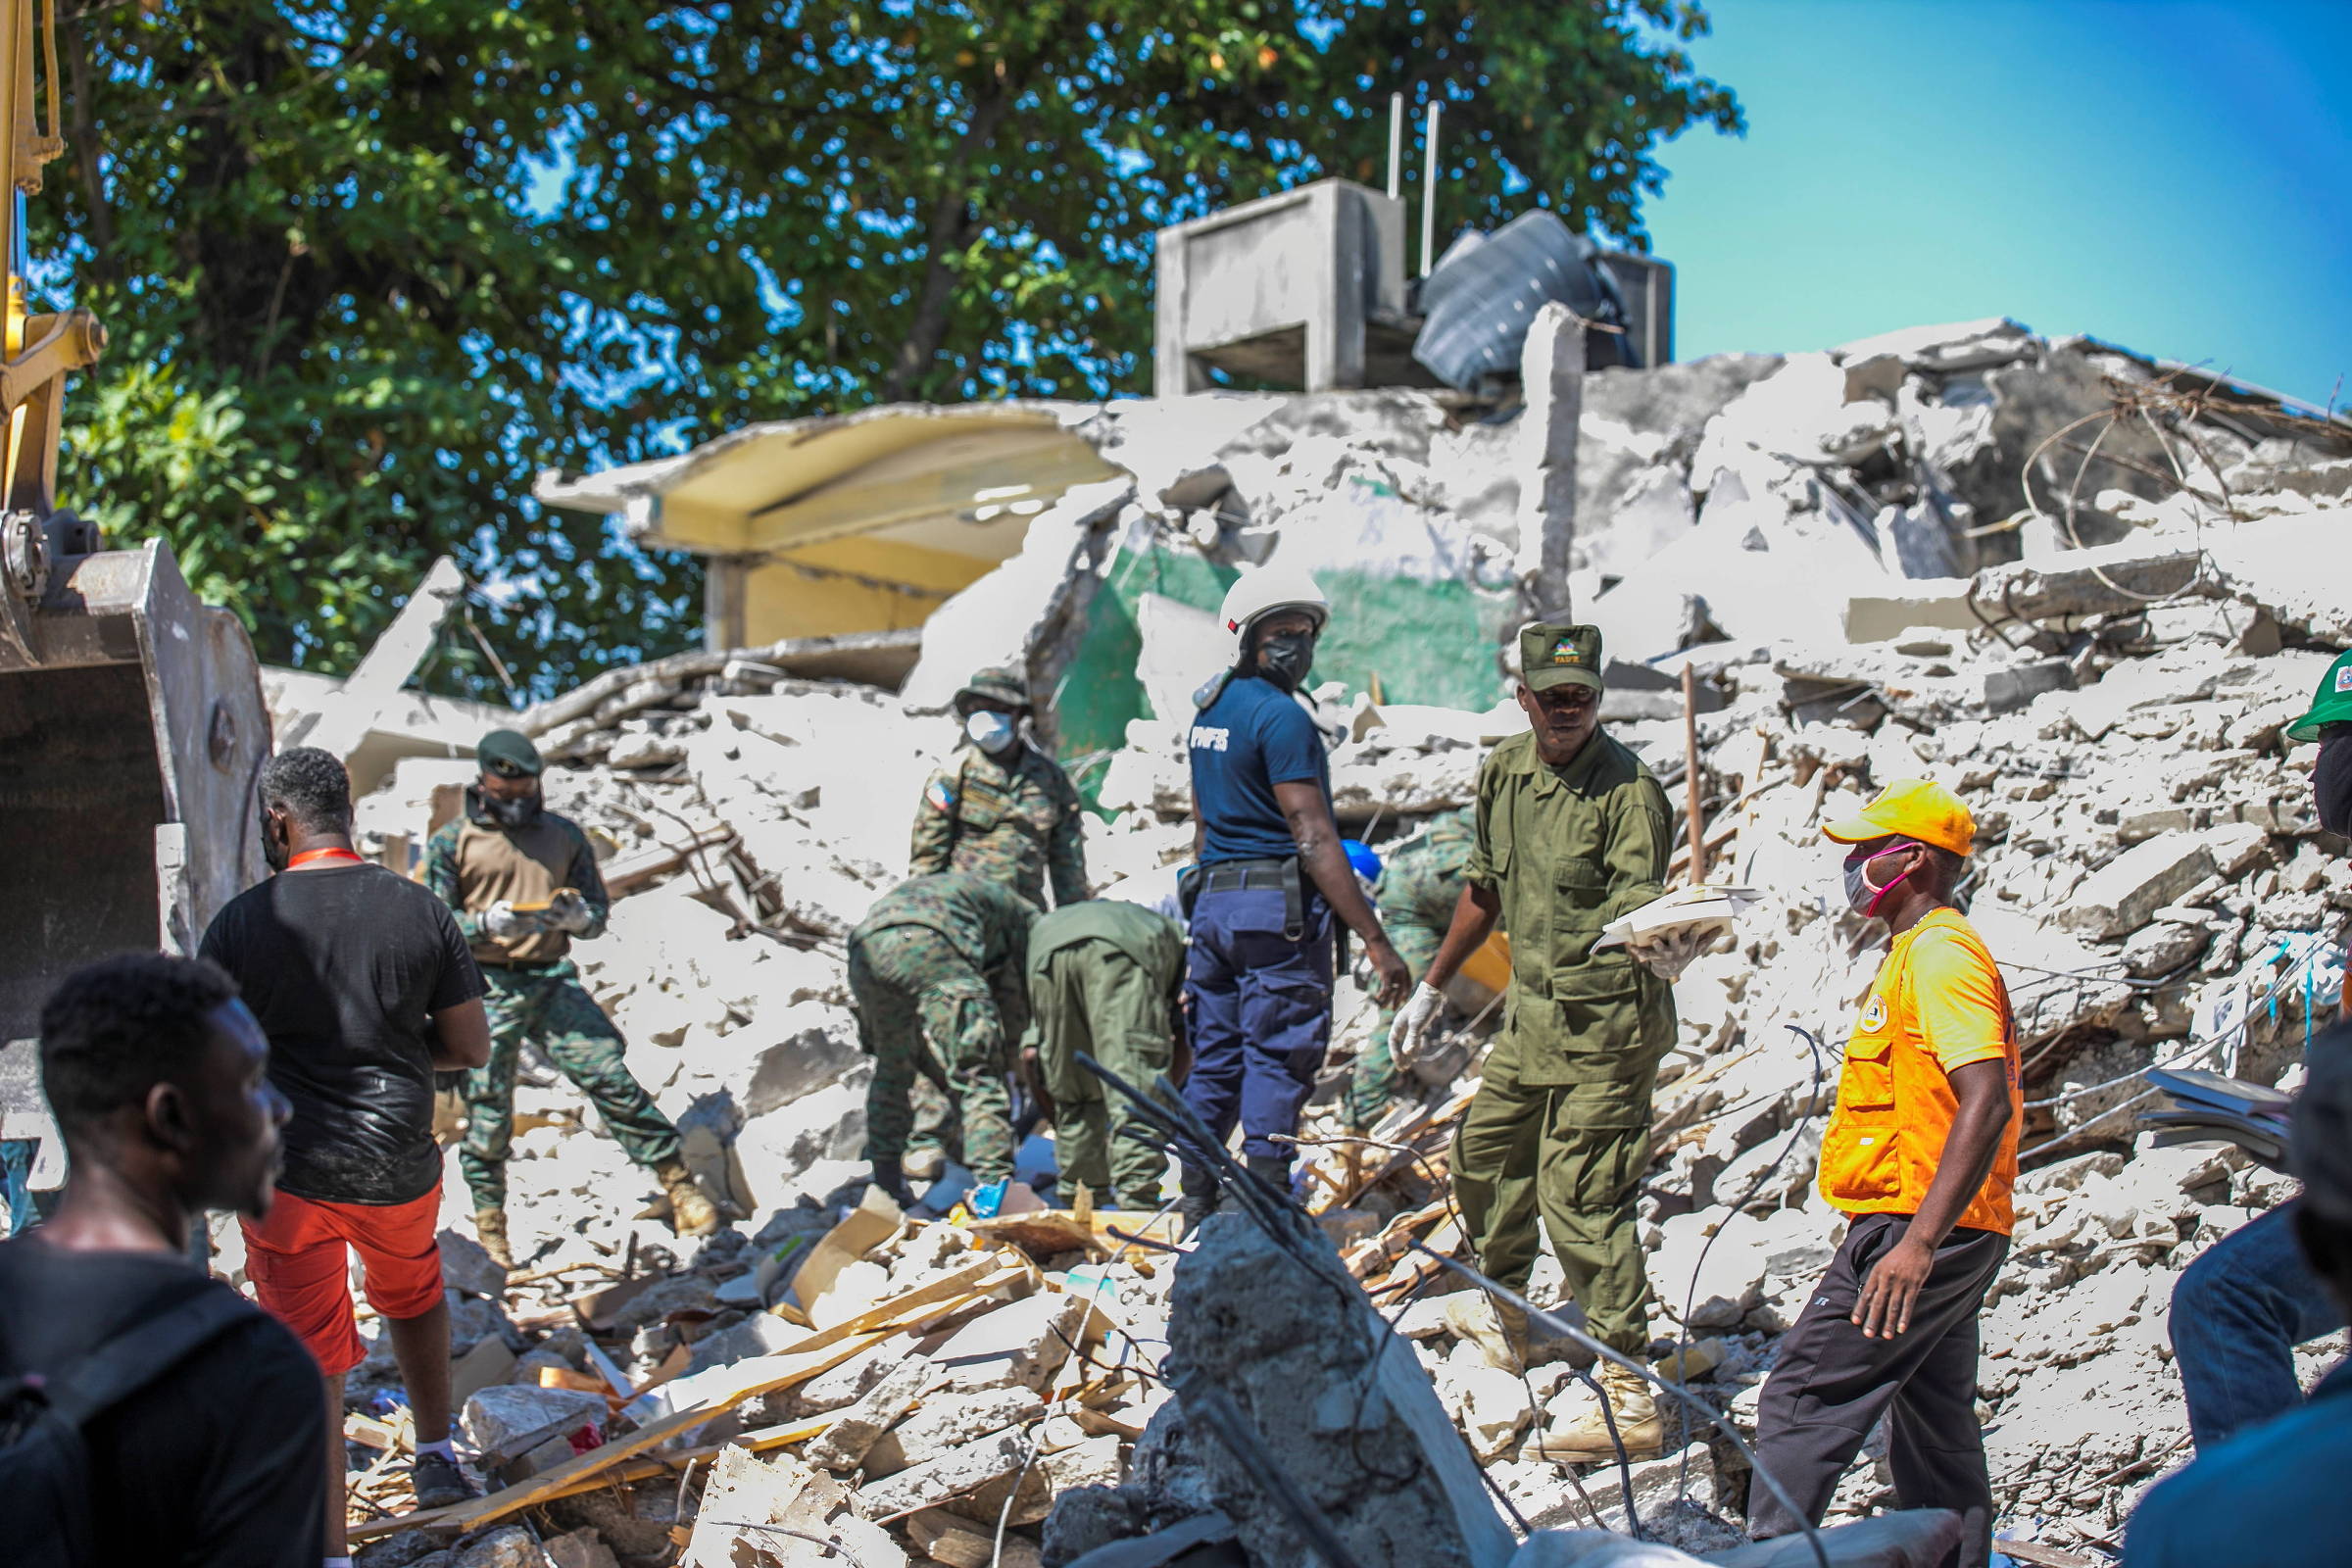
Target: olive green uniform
pixel 1560 1124
pixel 942 957
pixel 1014 821
pixel 1104 978
pixel 1419 887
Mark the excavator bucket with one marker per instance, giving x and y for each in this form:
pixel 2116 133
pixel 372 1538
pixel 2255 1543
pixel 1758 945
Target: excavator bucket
pixel 133 733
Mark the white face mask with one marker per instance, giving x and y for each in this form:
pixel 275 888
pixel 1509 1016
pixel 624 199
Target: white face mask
pixel 991 731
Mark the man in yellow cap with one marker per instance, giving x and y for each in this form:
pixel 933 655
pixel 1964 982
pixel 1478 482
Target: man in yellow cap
pixel 1572 832
pixel 1922 1152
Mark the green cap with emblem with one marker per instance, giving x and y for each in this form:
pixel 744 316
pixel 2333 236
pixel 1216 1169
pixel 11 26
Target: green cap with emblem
pixel 2331 703
pixel 1555 654
pixel 509 753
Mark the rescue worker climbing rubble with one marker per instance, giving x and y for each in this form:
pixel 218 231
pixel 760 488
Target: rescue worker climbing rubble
pixel 1571 832
pixel 1106 977
pixel 525 885
pixel 941 957
pixel 1272 879
pixel 1001 807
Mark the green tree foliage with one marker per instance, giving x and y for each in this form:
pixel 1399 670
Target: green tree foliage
pixel 368 267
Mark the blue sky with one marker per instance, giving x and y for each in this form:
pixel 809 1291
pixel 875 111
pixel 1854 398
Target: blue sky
pixel 2175 177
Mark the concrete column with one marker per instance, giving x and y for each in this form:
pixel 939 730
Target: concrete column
pixel 1172 374
pixel 723 584
pixel 1551 372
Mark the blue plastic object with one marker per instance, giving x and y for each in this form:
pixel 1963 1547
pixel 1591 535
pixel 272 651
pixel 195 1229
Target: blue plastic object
pixel 985 1201
pixel 1362 856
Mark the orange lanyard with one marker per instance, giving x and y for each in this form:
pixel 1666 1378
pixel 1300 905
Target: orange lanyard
pixel 331 857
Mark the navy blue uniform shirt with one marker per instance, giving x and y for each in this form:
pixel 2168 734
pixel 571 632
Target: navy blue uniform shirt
pixel 1251 738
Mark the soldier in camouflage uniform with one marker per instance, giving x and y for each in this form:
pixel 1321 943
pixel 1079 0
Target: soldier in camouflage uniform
pixel 1107 978
pixel 504 850
pixel 941 957
pixel 1419 886
pixel 1001 807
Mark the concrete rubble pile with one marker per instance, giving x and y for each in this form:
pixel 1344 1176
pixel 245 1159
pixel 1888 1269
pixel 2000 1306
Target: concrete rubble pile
pixel 1893 561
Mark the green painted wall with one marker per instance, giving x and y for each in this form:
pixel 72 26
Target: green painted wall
pixel 1427 642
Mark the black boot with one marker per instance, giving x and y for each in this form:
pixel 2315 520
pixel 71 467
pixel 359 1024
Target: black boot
pixel 1272 1169
pixel 1200 1200
pixel 890 1175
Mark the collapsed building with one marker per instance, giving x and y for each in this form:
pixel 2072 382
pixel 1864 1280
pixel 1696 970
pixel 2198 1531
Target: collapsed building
pixel 2085 589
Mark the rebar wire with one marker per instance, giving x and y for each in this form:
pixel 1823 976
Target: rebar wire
pixel 1682 1344
pixel 1568 1330
pixel 798 1534
pixel 996 1556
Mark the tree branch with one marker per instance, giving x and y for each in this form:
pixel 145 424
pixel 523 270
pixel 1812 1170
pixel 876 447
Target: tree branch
pixel 952 221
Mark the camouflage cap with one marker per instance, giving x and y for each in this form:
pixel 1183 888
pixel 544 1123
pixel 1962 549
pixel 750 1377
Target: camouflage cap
pixel 1555 654
pixel 996 684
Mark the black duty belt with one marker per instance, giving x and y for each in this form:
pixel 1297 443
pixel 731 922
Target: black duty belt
pixel 1235 876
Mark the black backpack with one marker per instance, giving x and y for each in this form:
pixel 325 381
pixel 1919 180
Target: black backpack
pixel 44 1469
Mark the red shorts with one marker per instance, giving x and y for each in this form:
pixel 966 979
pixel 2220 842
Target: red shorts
pixel 296 1260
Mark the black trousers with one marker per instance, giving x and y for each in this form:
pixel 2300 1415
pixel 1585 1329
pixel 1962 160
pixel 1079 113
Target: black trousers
pixel 1830 1384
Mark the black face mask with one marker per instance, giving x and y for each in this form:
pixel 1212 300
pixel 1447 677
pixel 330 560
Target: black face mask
pixel 2331 779
pixel 510 813
pixel 1286 657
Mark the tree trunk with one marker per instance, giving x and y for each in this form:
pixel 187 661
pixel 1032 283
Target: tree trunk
pixel 951 222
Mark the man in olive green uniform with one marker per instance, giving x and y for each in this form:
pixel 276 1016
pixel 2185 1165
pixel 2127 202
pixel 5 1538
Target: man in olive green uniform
pixel 1572 832
pixel 1105 978
pixel 1419 886
pixel 1001 807
pixel 941 956
pixel 523 883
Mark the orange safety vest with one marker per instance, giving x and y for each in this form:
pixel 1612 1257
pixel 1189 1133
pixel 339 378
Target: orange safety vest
pixel 1896 1105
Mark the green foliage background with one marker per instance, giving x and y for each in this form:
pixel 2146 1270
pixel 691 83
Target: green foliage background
pixel 368 267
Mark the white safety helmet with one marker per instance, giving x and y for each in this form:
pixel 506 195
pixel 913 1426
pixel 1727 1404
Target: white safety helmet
pixel 1257 594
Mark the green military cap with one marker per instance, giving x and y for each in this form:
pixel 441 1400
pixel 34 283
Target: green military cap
pixel 1555 654
pixel 999 684
pixel 509 751
pixel 2331 703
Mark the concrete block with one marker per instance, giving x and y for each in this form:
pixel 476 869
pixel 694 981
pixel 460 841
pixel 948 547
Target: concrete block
pixel 855 1431
pixel 507 1546
pixel 507 1420
pixel 958 1470
pixel 786 1072
pixel 1938 601
pixel 2238 847
pixel 1019 1343
pixel 2120 895
pixel 465 1267
pixel 761 1334
pixel 581 1549
pixel 950 1420
pixel 2004 691
pixel 780 1490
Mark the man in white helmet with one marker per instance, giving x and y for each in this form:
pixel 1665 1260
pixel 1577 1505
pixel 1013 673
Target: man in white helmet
pixel 1272 878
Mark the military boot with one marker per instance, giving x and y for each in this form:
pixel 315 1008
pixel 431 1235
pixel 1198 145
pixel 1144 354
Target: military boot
pixel 690 1213
pixel 1496 1327
pixel 490 1229
pixel 890 1174
pixel 1272 1169
pixel 1578 1434
pixel 1200 1200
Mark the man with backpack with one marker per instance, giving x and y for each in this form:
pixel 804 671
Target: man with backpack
pixel 149 1414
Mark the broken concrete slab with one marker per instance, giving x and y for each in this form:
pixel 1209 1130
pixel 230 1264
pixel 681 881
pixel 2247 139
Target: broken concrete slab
pixel 507 1420
pixel 1019 1343
pixel 2120 895
pixel 507 1547
pixel 947 1475
pixel 778 1510
pixel 580 1548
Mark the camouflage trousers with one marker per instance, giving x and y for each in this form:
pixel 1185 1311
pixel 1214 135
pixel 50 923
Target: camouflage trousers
pixel 549 1007
pixel 1094 997
pixel 1372 1081
pixel 910 982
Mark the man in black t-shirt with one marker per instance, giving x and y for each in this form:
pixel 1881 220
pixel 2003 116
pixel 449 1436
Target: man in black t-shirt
pixel 154 1072
pixel 365 987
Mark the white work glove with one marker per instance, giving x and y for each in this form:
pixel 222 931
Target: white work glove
pixel 501 922
pixel 1668 953
pixel 1412 1023
pixel 567 911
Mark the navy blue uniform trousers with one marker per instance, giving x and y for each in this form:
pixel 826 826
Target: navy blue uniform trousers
pixel 1261 1013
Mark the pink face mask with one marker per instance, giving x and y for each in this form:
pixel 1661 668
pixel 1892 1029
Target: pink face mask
pixel 1860 893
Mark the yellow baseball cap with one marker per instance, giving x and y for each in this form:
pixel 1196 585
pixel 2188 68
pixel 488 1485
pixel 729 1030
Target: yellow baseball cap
pixel 1910 808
